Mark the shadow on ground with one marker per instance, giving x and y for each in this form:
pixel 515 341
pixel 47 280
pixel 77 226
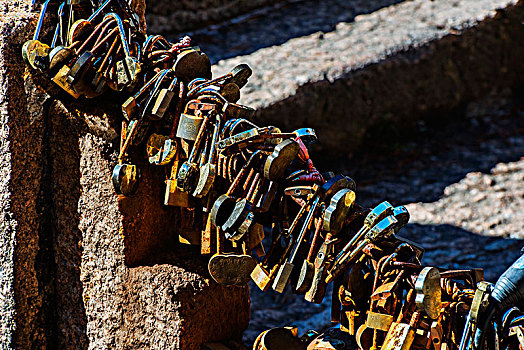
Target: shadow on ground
pixel 277 24
pixel 408 166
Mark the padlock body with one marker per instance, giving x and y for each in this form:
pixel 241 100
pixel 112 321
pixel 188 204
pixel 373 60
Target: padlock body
pixel 162 102
pixel 188 126
pixel 60 79
pixel 176 198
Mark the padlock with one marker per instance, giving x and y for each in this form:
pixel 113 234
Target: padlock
pixel 34 52
pixel 128 69
pixel 58 57
pixel 187 176
pixel 208 171
pixel 163 100
pixel 307 270
pixel 38 55
pixel 316 293
pixel 153 96
pixel 307 135
pixel 280 338
pixel 379 321
pixel 131 107
pixel 60 79
pixel 231 92
pixel 337 210
pixel 240 75
pixel 173 196
pixel 78 75
pixel 399 337
pixel 286 269
pixel 278 162
pixel 189 125
pixel 161 150
pixel 191 64
pixel 237 111
pixel 230 269
pixel 267 198
pixel 429 292
pixel 125 179
pixel 255 236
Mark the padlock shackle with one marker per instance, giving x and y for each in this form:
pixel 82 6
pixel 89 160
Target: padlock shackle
pixel 214 140
pixel 153 39
pixel 242 171
pixel 305 226
pixel 316 234
pixel 58 26
pixel 99 42
pixel 98 11
pixel 154 92
pixel 40 20
pixel 98 28
pixel 208 83
pixel 122 32
pixel 108 55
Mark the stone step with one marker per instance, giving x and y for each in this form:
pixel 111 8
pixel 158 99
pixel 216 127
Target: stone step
pixel 397 64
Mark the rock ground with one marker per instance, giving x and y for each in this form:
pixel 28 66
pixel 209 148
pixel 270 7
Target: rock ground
pixel 463 184
pixel 329 39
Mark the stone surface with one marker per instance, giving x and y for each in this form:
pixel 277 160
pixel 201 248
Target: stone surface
pixel 399 64
pixel 81 268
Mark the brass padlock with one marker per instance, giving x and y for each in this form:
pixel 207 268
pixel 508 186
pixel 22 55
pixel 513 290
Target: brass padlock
pixel 278 162
pixel 337 210
pixel 429 292
pixel 79 72
pixel 231 92
pixel 37 55
pixel 125 179
pixel 161 150
pixel 60 79
pixel 79 31
pixel 400 337
pixel 176 198
pixel 241 74
pixel 34 52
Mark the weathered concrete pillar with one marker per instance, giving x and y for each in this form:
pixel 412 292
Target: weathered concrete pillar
pixel 81 268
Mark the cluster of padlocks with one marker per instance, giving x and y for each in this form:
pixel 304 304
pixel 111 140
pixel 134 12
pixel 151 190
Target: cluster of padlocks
pixel 246 180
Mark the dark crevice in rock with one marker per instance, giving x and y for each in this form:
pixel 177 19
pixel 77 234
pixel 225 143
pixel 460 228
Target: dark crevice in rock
pixel 45 258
